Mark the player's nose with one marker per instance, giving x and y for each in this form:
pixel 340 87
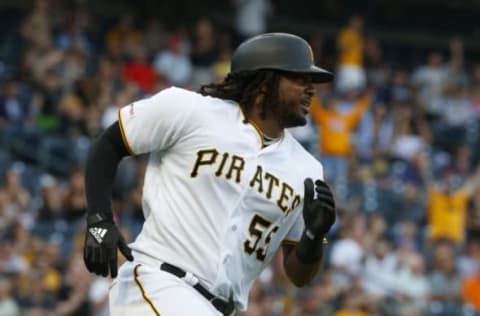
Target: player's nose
pixel 310 89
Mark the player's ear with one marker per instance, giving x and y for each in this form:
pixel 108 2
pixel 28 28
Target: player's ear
pixel 262 92
pixel 263 89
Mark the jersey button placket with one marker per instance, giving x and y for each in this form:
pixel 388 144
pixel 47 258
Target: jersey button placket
pixel 226 259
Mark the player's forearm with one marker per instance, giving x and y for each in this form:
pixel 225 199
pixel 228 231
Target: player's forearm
pixel 104 155
pixel 303 261
pixel 298 272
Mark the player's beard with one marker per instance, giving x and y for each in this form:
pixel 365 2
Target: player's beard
pixel 291 114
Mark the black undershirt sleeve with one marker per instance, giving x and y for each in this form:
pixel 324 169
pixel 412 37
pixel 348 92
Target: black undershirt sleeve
pixel 103 158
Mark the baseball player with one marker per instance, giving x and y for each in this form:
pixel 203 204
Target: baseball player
pixel 225 187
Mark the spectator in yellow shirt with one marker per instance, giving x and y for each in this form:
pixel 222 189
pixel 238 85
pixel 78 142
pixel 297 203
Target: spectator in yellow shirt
pixel 123 37
pixel 350 45
pixel 336 122
pixel 352 305
pixel 448 204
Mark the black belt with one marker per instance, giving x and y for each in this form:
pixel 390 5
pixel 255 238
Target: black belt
pixel 224 307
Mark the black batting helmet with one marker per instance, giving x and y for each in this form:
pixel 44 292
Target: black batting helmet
pixel 278 51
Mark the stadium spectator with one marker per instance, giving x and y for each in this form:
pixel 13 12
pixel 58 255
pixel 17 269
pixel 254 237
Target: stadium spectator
pixel 174 62
pixel 336 119
pixel 445 282
pixel 138 70
pixel 251 17
pixel 348 252
pixel 376 69
pixel 471 290
pixel 430 80
pixel 447 203
pixel 124 38
pixel 8 305
pixel 412 285
pixel 380 270
pixel 204 52
pixel 16 197
pixel 350 44
pixel 74 199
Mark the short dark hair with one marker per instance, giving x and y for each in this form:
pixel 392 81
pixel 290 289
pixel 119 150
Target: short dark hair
pixel 243 87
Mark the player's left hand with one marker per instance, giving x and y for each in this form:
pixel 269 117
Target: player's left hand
pixel 101 242
pixel 318 212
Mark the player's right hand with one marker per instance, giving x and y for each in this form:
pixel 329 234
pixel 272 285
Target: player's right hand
pixel 102 239
pixel 318 212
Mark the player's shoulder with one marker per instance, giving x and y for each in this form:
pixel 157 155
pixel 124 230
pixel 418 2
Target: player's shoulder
pixel 174 92
pixel 190 96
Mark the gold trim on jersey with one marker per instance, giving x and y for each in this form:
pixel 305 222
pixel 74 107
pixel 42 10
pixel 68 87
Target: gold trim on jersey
pixel 295 242
pixel 135 272
pixel 259 132
pixel 124 136
pixel 289 242
pixel 242 114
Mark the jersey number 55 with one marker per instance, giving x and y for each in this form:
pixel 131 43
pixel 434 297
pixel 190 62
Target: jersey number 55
pixel 259 226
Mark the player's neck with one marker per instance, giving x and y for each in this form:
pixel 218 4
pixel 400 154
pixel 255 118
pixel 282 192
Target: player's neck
pixel 269 127
pixel 266 123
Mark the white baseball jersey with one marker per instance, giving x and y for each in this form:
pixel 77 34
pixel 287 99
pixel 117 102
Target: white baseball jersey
pixel 217 203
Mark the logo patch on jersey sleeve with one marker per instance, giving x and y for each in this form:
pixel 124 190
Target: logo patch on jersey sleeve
pixel 131 110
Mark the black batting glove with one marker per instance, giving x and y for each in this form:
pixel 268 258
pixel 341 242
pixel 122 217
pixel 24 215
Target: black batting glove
pixel 319 216
pixel 319 211
pixel 102 239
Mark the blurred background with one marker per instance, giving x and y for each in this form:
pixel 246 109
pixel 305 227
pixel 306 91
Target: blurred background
pixel 397 132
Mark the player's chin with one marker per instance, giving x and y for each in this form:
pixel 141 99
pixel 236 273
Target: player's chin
pixel 305 108
pixel 302 120
pixel 303 112
pixel 299 119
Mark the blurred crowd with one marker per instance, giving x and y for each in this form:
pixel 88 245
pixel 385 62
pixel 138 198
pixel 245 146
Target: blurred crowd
pixel 399 145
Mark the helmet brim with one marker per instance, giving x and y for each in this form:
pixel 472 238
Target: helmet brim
pixel 320 75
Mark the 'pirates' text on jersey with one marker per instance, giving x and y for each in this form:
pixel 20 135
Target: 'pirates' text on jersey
pixel 209 170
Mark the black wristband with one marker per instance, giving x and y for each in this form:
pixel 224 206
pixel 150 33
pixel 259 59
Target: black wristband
pixel 309 250
pixel 95 218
